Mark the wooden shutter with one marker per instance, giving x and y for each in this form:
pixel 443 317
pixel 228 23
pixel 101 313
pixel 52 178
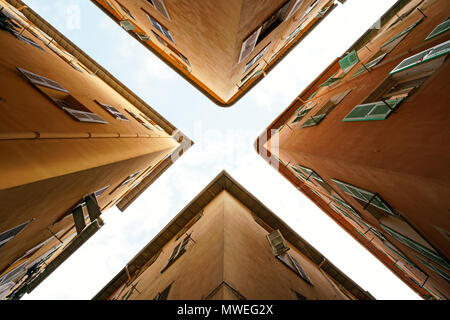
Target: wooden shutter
pixel 78 218
pixel 277 242
pixel 249 44
pixel 174 252
pixel 424 56
pixel 159 5
pixel 41 81
pixel 113 111
pixel 8 235
pixel 398 37
pixel 127 25
pixel 373 111
pixel 432 255
pixel 294 8
pixel 313 121
pixel 299 269
pixel 440 29
pixel 14 274
pixel 349 60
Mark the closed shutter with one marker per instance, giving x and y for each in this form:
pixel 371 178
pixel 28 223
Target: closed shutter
pixel 41 81
pixel 373 111
pixel 438 271
pixel 249 44
pixel 159 5
pixel 440 29
pixel 277 242
pixel 28 40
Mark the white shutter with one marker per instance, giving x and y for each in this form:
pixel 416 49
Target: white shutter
pixel 249 44
pixel 41 81
pixel 277 242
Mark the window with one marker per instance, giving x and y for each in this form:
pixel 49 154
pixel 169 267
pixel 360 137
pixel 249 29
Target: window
pixel 163 295
pixel 256 58
pixel 177 252
pixel 113 111
pixel 129 179
pixel 8 235
pixel 159 5
pixel 331 80
pixel 124 9
pixel 294 8
pixel 293 264
pixel 440 29
pixel 277 242
pixel 303 110
pixel 373 111
pixel 402 83
pixel 299 296
pixel 438 271
pixel 372 63
pixel 369 200
pixel 423 57
pixel 350 60
pixel 430 254
pixel 61 97
pixel 138 119
pixel 166 44
pixel 389 45
pixel 325 110
pixel 273 22
pixel 189 225
pixel 262 31
pixel 100 192
pixel 160 27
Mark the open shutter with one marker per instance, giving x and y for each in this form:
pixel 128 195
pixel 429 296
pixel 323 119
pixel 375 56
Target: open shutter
pixel 78 218
pixel 398 37
pixel 313 121
pixel 440 29
pixel 300 270
pixel 174 252
pixel 14 274
pixel 127 25
pixel 249 44
pixel 294 8
pixel 92 207
pixel 349 61
pixel 41 81
pixel 113 111
pixel 372 111
pixel 159 5
pixel 8 235
pixel 277 242
pixel 424 56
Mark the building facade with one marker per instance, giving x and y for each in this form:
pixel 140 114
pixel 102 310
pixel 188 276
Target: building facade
pixel 367 141
pixel 223 48
pixel 74 141
pixel 244 251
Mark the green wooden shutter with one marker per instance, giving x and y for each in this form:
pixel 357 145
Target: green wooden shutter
pixel 424 56
pixel 330 81
pixel 349 60
pixel 402 33
pixel 372 111
pixel 440 272
pixel 432 255
pixel 440 29
pixel 313 121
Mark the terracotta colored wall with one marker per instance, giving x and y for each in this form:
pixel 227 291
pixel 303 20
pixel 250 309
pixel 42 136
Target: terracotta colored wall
pixel 402 158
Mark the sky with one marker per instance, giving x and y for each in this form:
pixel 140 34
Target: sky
pixel 224 139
